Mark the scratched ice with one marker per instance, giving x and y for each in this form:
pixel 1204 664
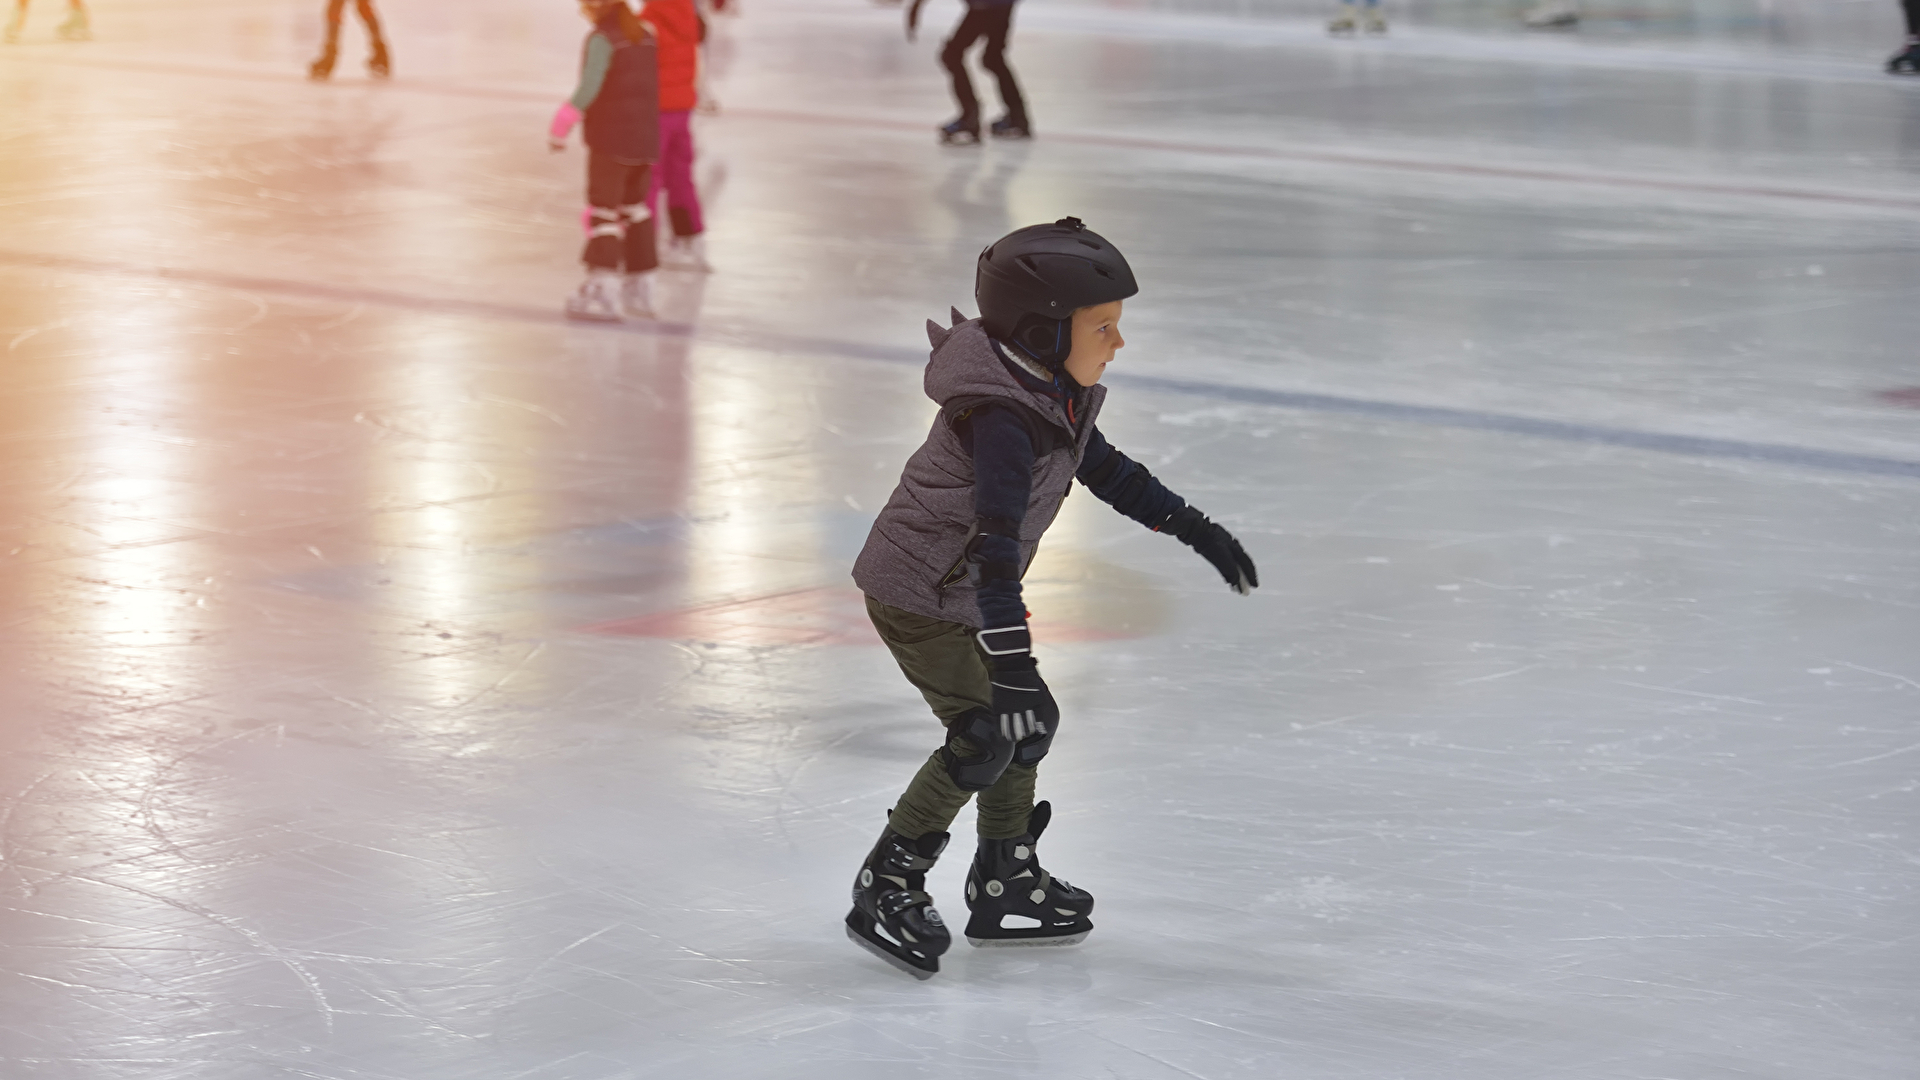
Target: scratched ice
pixel 402 683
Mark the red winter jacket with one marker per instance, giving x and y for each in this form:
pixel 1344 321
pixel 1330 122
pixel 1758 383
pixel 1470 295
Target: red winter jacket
pixel 679 29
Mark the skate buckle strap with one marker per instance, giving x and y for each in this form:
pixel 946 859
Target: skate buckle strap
pixel 897 901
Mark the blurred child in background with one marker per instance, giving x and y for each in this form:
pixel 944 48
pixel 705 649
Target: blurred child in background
pixel 679 29
pixel 619 100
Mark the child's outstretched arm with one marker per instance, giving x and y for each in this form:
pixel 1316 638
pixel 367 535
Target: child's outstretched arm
pixel 1127 486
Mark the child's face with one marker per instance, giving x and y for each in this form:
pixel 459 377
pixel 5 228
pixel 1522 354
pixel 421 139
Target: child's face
pixel 1096 337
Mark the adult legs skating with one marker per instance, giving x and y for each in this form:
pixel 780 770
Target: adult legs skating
pixel 1907 60
pixel 1006 881
pixel 620 252
pixel 378 60
pixel 75 28
pixel 1352 17
pixel 993 24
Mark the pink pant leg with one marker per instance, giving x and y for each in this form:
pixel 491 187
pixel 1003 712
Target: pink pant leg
pixel 676 172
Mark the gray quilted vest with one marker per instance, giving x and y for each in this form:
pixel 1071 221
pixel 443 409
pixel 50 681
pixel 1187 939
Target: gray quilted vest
pixel 915 556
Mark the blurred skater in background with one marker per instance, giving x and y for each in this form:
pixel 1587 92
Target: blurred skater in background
pixel 993 20
pixel 378 62
pixel 680 30
pixel 74 29
pixel 1907 60
pixel 619 100
pixel 1350 18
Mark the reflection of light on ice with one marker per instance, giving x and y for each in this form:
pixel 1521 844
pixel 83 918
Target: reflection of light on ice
pixel 446 540
pixel 752 514
pixel 140 488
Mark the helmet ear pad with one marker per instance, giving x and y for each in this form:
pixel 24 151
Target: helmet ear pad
pixel 1049 341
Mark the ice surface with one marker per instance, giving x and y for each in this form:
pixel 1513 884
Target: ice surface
pixel 403 683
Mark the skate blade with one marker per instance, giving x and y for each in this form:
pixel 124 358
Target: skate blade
pixel 1028 942
pixel 917 972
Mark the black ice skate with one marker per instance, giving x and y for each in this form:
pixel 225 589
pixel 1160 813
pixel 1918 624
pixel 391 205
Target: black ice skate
pixel 961 133
pixel 1008 128
pixel 1906 62
pixel 1006 882
pixel 892 916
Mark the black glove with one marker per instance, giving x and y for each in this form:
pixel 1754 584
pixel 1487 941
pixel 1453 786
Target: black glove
pixel 1023 708
pixel 1216 545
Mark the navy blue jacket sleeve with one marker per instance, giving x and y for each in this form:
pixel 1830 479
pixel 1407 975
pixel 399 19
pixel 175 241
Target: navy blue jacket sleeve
pixel 1002 482
pixel 1125 484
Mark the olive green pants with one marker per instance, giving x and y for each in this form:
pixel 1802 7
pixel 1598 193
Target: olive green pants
pixel 942 661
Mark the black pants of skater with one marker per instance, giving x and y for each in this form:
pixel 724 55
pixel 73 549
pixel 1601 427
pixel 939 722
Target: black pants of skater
pixel 1913 17
pixel 621 235
pixel 992 23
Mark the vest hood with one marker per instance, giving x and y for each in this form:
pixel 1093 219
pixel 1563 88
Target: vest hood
pixel 965 365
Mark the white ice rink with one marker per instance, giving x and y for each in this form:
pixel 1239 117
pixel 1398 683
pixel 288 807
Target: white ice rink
pixel 401 683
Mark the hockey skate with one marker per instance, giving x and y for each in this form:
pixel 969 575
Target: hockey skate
pixel 597 299
pixel 893 917
pixel 379 64
pixel 636 296
pixel 76 27
pixel 1008 128
pixel 961 132
pixel 1907 61
pixel 1006 881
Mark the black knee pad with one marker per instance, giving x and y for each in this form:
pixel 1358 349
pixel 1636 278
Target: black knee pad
pixel 994 750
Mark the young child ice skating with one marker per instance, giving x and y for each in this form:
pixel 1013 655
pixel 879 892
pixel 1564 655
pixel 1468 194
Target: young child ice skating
pixel 680 29
pixel 1019 396
pixel 619 98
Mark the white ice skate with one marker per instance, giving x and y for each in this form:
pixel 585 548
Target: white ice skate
pixel 636 296
pixel 597 299
pixel 688 253
pixel 1553 14
pixel 14 22
pixel 1376 22
pixel 1342 24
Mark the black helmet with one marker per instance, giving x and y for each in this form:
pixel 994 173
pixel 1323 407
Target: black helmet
pixel 1030 281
